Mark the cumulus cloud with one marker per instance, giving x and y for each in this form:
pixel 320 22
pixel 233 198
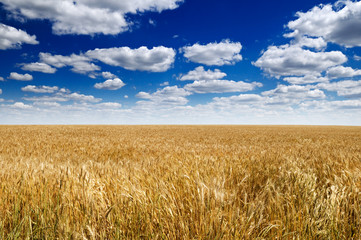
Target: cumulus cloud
pixel 283 94
pixel 347 88
pixel 21 105
pixel 11 37
pixel 242 99
pixel 306 79
pixel 334 105
pixel 281 98
pixel 79 63
pixel 334 86
pixel 86 16
pixel 157 59
pixel 1 79
pixel 291 60
pixel 164 84
pixel 346 104
pixel 218 54
pixel 20 77
pixel 39 89
pixel 220 86
pixel 47 104
pixel 342 72
pixel 81 97
pixel 64 97
pixel 170 95
pixel 38 67
pixel 59 95
pixel 111 84
pixel 199 74
pixel 108 75
pixel 109 105
pixel 1 91
pixel 316 43
pixel 339 23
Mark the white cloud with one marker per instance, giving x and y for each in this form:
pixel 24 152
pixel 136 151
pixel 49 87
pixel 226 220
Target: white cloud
pixel 110 84
pixel 63 95
pixel 38 67
pixel 47 104
pixel 170 95
pixel 20 77
pixel 108 75
pixel 339 24
pixel 11 37
pixel 1 91
pixel 292 94
pixel 53 98
pixel 357 58
pixel 1 79
pixel 335 86
pixel 164 84
pixel 79 63
pixel 342 72
pixel 220 86
pixel 86 16
pixel 109 105
pixel 277 102
pixel 334 106
pixel 126 96
pixel 157 59
pixel 39 89
pixel 93 75
pixel 348 88
pixel 144 95
pixel 199 74
pixel 152 22
pixel 64 98
pixel 21 105
pixel 305 79
pixel 219 54
pixel 287 90
pixel 316 43
pixel 346 104
pixel 238 99
pixel 290 60
pixel 81 97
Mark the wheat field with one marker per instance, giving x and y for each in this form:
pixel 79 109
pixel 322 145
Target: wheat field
pixel 180 182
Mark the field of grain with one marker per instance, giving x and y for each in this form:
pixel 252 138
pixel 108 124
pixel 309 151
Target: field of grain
pixel 180 182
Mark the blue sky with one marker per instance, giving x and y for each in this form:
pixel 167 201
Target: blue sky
pixel 180 62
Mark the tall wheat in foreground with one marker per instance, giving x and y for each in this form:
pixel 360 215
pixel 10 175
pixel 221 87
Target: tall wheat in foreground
pixel 180 182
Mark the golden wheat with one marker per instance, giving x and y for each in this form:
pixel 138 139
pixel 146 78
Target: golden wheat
pixel 180 182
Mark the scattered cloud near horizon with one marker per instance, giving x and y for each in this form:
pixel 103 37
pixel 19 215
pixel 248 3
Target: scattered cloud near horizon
pixel 310 75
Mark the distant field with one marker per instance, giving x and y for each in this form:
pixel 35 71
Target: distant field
pixel 180 182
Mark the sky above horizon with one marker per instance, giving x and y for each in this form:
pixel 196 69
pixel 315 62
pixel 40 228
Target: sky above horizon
pixel 180 62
